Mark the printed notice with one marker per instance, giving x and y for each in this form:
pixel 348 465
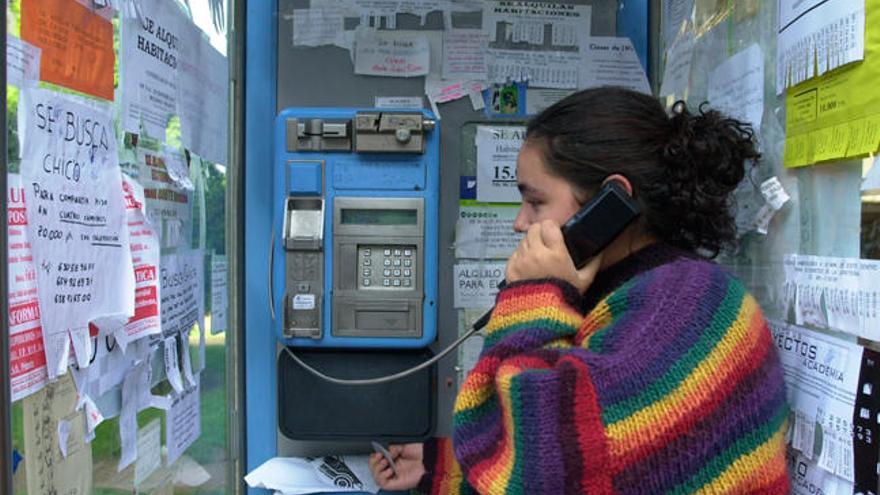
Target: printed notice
pixel 49 471
pixel 76 219
pixel 486 231
pixel 520 49
pixel 183 423
pixel 167 205
pixel 822 382
pixel 181 282
pixel 537 99
pixel 809 479
pixel 736 87
pixel 76 43
pixel 150 46
pixel 613 62
pixel 22 62
pixel 476 284
pixel 816 36
pixel 838 293
pixel 203 96
pixel 27 359
pixel 145 258
pixel 387 53
pixel 219 294
pixel 497 149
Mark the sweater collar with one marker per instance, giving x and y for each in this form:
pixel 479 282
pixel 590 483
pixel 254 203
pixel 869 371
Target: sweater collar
pixel 643 260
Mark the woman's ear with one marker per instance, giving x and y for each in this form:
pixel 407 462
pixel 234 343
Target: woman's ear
pixel 622 181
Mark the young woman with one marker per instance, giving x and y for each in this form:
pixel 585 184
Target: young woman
pixel 649 370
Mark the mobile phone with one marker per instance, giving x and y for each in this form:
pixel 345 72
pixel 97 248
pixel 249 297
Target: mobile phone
pixel 379 448
pixel 598 222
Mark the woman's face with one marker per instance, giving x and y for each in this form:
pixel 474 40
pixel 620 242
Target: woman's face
pixel 544 196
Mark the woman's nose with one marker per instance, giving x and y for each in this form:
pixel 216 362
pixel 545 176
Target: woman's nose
pixel 520 223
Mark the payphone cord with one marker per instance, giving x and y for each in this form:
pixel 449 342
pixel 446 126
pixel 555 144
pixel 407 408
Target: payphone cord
pixel 477 326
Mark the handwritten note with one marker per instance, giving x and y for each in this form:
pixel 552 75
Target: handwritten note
pixel 387 53
pixel 50 472
pixel 27 358
pixel 464 54
pixel 181 289
pixel 76 219
pixel 736 87
pixel 318 26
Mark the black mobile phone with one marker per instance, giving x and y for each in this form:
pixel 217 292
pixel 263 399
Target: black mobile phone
pixel 598 222
pixel 592 228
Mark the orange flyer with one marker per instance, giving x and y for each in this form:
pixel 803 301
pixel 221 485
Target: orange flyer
pixel 76 43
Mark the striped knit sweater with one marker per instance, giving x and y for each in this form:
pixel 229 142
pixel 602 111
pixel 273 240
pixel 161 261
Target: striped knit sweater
pixel 669 384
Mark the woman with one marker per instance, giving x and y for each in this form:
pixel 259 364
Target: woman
pixel 649 370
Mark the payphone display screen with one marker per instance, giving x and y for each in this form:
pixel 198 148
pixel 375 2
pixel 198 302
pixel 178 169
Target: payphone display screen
pixel 378 216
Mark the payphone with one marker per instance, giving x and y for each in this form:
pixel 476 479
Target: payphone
pixel 354 274
pixel 357 192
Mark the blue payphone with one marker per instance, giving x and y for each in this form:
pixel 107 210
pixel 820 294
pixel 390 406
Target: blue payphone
pixel 356 194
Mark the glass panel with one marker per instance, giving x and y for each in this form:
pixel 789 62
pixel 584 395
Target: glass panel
pixel 143 408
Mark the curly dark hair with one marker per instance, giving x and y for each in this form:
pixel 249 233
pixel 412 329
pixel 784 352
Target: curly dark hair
pixel 683 167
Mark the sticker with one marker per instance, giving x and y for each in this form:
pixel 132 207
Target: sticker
pixel 304 301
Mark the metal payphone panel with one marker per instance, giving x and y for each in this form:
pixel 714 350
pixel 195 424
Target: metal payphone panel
pixel 371 279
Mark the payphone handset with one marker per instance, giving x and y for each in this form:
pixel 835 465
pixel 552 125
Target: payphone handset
pixel 365 274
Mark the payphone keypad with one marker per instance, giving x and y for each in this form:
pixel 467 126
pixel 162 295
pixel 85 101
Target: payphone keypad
pixel 387 267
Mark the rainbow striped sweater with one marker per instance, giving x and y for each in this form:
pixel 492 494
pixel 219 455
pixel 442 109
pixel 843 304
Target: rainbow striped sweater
pixel 668 384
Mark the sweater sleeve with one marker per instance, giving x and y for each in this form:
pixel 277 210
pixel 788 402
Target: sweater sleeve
pixel 669 384
pixel 443 474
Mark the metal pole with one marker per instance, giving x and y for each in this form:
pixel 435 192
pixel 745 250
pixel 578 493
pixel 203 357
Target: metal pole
pixel 5 397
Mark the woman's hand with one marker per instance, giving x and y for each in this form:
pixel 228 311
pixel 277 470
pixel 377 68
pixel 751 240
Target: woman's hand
pixel 408 463
pixel 542 254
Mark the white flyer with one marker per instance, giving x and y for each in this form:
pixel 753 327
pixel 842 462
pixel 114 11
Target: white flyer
pixel 464 54
pixel 219 293
pixel 612 61
pixel 203 96
pixel 736 86
pixel 537 99
pixel 677 70
pixel 838 293
pixel 319 26
pixel 517 48
pixel 821 378
pixel 497 149
pixel 391 54
pixel 181 290
pixel 183 422
pixel 145 258
pixel 76 219
pixel 172 363
pixel 27 358
pixel 675 13
pixel 816 36
pixel 476 284
pixel 22 62
pixel 150 44
pixel 809 479
pixel 149 451
pixel 486 232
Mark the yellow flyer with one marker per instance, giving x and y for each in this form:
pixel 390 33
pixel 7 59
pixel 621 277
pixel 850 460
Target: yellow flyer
pixel 837 115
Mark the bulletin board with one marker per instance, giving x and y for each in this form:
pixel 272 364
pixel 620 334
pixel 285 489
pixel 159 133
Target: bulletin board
pixel 338 86
pixel 807 236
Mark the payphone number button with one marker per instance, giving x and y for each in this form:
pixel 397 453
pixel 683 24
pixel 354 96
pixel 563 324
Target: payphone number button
pixel 386 282
pixel 407 252
pixel 407 262
pixel 387 262
pixel 366 282
pixel 387 252
pixel 386 272
pixel 368 262
pixel 407 282
pixel 367 272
